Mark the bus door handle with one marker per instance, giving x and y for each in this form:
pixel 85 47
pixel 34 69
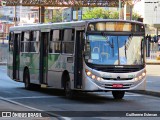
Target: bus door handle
pixel 70 59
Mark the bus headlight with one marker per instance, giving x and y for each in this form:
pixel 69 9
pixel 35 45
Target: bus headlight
pixel 136 79
pixel 140 76
pixel 92 76
pixel 98 78
pixel 88 73
pixel 143 74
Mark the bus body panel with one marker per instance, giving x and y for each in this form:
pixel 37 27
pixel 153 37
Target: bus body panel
pixel 31 61
pixel 54 70
pixel 126 79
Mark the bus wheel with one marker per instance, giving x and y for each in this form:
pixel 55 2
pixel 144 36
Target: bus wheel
pixel 118 94
pixel 27 79
pixel 68 91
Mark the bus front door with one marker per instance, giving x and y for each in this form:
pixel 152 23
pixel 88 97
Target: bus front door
pixel 43 58
pixel 78 62
pixel 16 51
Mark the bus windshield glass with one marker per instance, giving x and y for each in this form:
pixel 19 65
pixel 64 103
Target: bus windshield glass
pixel 114 49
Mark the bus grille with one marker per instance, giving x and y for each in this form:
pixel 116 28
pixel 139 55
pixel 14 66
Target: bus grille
pixel 118 70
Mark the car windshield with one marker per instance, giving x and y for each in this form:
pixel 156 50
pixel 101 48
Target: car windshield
pixel 114 50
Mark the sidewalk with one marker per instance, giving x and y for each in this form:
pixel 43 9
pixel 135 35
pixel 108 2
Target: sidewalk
pixel 152 61
pixel 152 81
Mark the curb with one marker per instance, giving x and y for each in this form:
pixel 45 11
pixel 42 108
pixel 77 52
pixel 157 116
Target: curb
pixel 153 63
pixel 147 92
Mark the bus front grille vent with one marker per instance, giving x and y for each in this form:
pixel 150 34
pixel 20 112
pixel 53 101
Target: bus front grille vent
pixel 118 70
pixel 117 78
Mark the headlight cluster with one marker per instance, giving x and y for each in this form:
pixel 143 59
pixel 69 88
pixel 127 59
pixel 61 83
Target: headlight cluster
pixel 140 76
pixel 91 75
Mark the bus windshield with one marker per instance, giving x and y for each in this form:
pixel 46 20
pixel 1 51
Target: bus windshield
pixel 114 50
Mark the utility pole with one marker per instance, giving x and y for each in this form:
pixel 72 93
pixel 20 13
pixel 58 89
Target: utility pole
pixel 41 14
pixel 15 16
pixel 119 9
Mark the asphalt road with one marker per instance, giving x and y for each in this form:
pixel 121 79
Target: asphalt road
pixel 91 104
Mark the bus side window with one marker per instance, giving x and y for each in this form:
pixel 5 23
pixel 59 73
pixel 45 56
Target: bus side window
pixel 34 41
pixel 25 42
pixel 68 41
pixel 22 42
pixel 55 44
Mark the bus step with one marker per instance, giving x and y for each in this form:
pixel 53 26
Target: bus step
pixel 43 86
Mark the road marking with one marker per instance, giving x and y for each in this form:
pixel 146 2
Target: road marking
pixel 32 97
pixel 35 109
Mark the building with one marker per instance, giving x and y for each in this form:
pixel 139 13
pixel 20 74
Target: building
pixel 150 11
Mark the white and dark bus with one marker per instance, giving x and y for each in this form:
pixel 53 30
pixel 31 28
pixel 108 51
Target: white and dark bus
pixel 88 56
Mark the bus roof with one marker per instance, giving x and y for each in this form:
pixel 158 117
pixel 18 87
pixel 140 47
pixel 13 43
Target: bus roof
pixel 62 25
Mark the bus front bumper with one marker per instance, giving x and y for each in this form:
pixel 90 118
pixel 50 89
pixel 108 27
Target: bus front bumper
pixel 113 85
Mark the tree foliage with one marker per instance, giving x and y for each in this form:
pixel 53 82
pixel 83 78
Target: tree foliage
pixel 135 16
pixel 90 13
pixel 56 17
pixel 94 13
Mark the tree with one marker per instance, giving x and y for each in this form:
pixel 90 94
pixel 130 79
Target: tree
pixel 56 17
pixel 91 13
pixel 135 16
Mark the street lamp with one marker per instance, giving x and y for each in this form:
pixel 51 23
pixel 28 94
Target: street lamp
pixel 119 9
pixel 155 9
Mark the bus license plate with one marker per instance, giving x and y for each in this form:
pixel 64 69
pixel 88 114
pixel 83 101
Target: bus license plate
pixel 117 85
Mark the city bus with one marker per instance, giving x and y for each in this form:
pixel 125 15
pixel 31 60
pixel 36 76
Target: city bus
pixel 86 56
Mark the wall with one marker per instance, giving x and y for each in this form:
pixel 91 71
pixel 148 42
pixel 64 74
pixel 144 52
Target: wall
pixel 152 11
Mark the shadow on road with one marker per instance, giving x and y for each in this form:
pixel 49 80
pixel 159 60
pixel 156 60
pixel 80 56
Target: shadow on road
pixel 83 97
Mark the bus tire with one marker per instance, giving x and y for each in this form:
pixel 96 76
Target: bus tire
pixel 118 95
pixel 27 80
pixel 67 88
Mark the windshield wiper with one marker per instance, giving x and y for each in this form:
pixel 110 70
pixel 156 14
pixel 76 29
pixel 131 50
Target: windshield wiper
pixel 125 49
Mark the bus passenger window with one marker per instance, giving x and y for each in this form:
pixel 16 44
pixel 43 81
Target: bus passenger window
pixel 34 42
pixel 55 43
pixel 68 41
pixel 25 42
